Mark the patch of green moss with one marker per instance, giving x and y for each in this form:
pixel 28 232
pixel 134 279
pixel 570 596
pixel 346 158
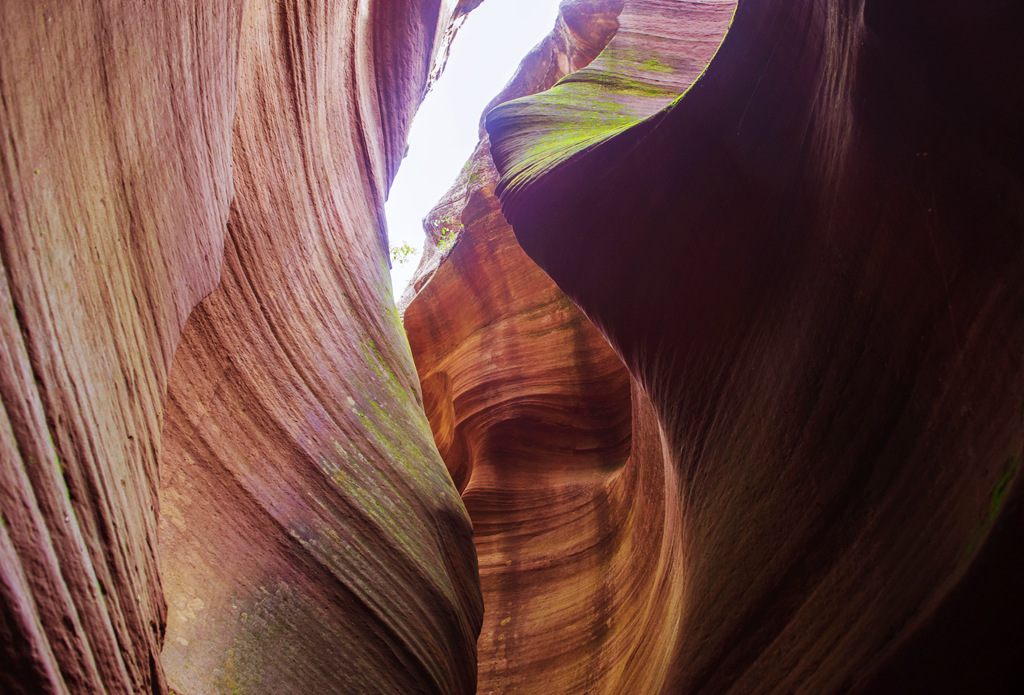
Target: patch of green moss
pixel 995 504
pixel 581 111
pixel 620 84
pixel 446 239
pixel 999 491
pixel 380 499
pixel 655 65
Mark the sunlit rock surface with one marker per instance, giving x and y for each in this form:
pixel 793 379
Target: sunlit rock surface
pixel 556 450
pixel 310 538
pixel 812 263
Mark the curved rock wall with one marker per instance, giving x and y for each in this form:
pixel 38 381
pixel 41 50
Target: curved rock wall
pixel 812 262
pixel 310 538
pixel 531 411
pixel 801 476
pixel 116 155
pixel 556 450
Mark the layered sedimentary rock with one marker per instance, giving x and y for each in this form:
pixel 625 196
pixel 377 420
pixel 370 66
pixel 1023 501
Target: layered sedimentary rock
pixel 556 450
pixel 116 182
pixel 812 264
pixel 781 455
pixel 310 538
pixel 531 411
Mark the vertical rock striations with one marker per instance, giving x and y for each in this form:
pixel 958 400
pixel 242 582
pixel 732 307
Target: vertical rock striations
pixel 115 121
pixel 310 538
pixel 812 263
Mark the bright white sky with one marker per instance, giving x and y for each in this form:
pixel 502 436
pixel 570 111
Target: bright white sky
pixel 484 56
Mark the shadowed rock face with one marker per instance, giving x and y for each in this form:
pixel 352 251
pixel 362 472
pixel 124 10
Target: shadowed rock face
pixel 310 538
pixel 812 264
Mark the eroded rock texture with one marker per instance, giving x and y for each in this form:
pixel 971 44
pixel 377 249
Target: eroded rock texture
pixel 531 411
pixel 795 470
pixel 116 181
pixel 812 264
pixel 555 448
pixel 310 537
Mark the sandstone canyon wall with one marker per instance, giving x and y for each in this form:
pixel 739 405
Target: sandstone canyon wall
pixel 811 264
pixel 310 538
pixel 116 126
pixel 743 413
pixel 555 448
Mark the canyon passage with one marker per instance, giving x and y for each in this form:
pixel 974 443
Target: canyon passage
pixel 709 379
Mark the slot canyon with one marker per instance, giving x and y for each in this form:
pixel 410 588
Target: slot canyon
pixel 710 379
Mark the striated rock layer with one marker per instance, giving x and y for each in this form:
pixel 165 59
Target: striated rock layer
pixel 555 448
pixel 116 182
pixel 812 264
pixel 310 539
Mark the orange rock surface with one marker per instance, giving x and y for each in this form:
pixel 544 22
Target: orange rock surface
pixel 555 448
pixel 558 459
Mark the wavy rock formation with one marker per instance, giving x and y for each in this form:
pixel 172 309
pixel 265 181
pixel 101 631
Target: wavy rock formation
pixel 556 451
pixel 310 539
pixel 759 431
pixel 531 411
pixel 812 263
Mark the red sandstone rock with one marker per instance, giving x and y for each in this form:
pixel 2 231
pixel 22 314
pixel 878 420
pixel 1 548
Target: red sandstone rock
pixel 536 418
pixel 558 455
pixel 812 263
pixel 310 538
pixel 115 124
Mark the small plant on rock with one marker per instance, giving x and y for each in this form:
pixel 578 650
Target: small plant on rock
pixel 446 240
pixel 446 237
pixel 402 254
